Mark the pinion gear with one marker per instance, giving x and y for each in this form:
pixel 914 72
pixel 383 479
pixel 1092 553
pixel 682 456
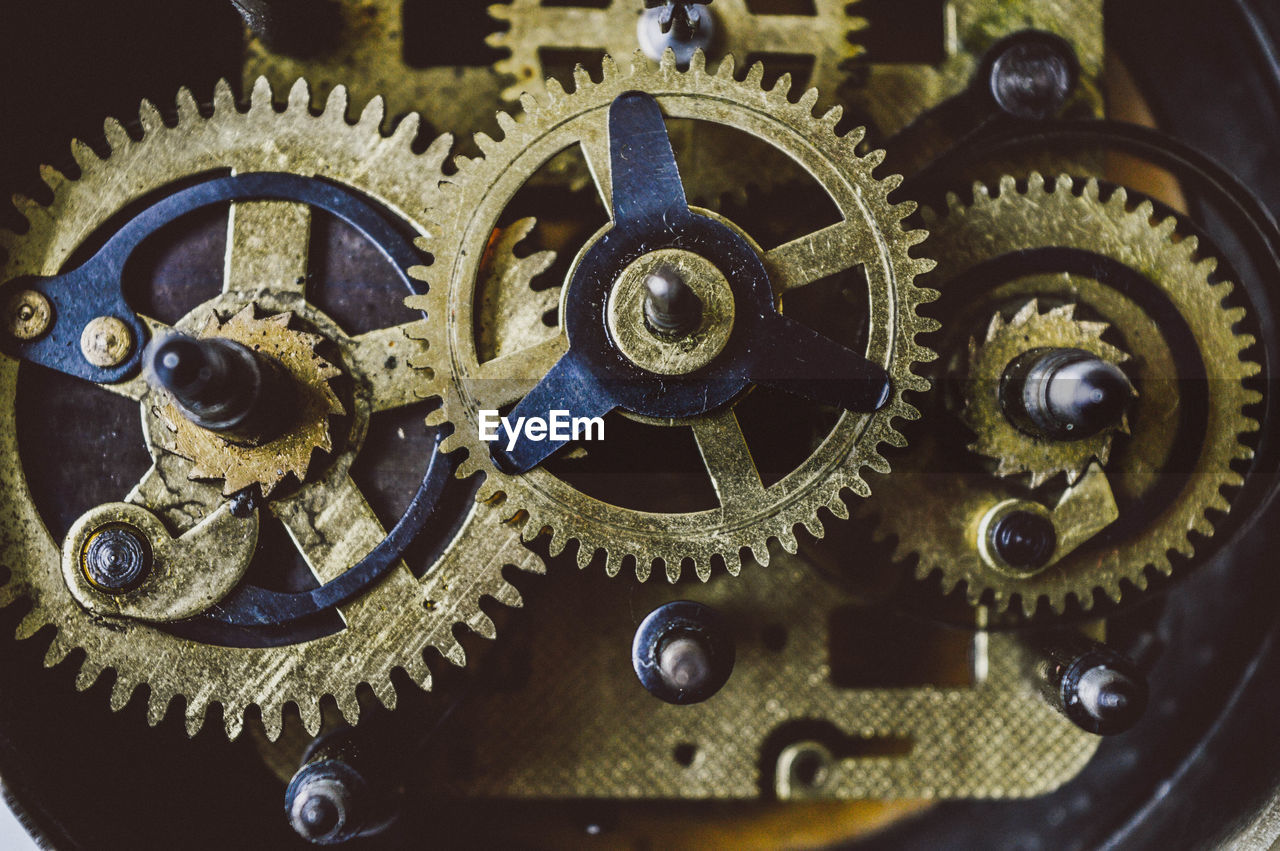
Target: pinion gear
pixel 464 210
pixel 396 621
pixel 1000 440
pixel 933 517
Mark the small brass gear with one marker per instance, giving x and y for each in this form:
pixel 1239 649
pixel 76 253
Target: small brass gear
pixel 1016 451
pixel 395 623
pixel 266 464
pixel 1170 477
pixel 465 210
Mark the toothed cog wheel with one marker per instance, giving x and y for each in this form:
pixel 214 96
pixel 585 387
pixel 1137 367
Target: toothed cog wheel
pixel 1064 266
pixel 1015 451
pixel 603 356
pixel 275 167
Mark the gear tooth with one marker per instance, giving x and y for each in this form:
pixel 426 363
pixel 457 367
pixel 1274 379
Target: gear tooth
pixel 224 100
pixel 30 624
pixel 193 718
pixel 1026 313
pixel 760 552
pixel 485 143
pixel 558 540
pixel 88 674
pixel 814 526
pixel 507 123
pixel 373 113
pixel 726 67
pixel 500 12
pixel 782 87
pixel 1028 604
pixel 609 68
pixel 703 569
pixel 832 116
pixel 86 158
pixel 406 129
pixel 1008 185
pixel 809 100
pixel 335 105
pixel 555 90
pixel 157 706
pixel 299 98
pixel 58 650
pixel 150 118
pixel 272 720
pixel 483 626
pixel 873 159
pixel 667 64
pixel 529 104
pixel 698 62
pixel 1065 184
pixel 455 654
pixel 644 569
pixel 188 109
pixel 613 563
pixel 262 98
pixel 672 569
pixel 310 715
pixel 755 75
pixel 1035 182
pixel 585 554
pixel 839 507
pixel 581 78
pixel 121 691
pixel 117 138
pixel 787 538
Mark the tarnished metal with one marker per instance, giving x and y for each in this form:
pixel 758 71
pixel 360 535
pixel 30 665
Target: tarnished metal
pixel 28 314
pixel 467 208
pixel 1175 492
pixel 396 621
pixel 106 342
pixel 998 438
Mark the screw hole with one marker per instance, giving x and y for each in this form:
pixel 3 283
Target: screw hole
pixel 685 753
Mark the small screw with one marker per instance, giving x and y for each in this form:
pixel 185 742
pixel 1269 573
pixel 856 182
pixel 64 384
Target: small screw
pixel 671 307
pixel 106 342
pixel 1032 74
pixel 116 559
pixel 28 315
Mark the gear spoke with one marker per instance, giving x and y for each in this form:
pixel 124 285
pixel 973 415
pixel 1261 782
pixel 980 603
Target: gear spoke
pixel 267 247
pixel 332 524
pixel 644 179
pixel 570 387
pixel 725 453
pixel 805 363
pixel 386 356
pixel 507 379
pixel 166 490
pixel 819 255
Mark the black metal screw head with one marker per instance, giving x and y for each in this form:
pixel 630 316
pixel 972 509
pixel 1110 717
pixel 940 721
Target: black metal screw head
pixel 219 384
pixel 117 559
pixel 671 307
pixel 1031 74
pixel 1065 394
pixel 1023 540
pixel 683 652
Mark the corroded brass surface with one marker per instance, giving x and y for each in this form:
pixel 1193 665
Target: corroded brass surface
pixel 468 206
pixel 895 95
pixel 979 730
pixel 368 61
pixel 625 314
pixel 269 463
pixel 1175 494
pixel 106 342
pixel 188 574
pixel 1016 451
pixel 400 618
pixel 28 314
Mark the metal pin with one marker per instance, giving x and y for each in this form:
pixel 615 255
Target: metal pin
pixel 1095 687
pixel 1064 394
pixel 671 307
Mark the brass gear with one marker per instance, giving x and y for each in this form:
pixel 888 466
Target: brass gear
pixel 266 464
pixel 999 439
pixel 397 620
pixel 465 209
pixel 934 517
pixel 828 36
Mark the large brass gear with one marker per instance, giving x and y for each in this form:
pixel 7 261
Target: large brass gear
pixel 392 624
pixel 934 517
pixel 465 209
pixel 1015 451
